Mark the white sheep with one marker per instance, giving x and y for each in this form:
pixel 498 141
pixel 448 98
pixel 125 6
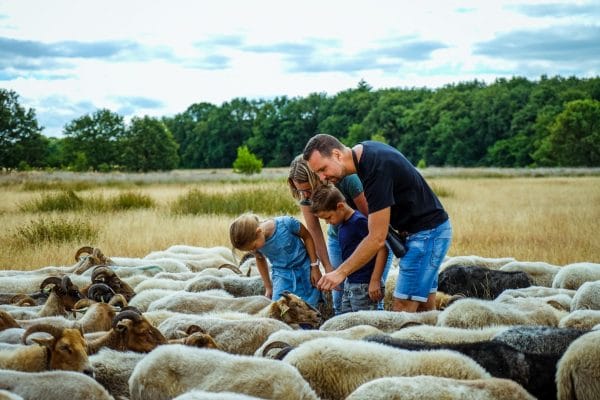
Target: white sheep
pixel 203 395
pixel 220 250
pixel 445 334
pixel 142 299
pixel 335 367
pixel 172 370
pixel 572 276
pixel 587 297
pixel 491 263
pixel 536 291
pixel 580 319
pixel 238 286
pixel 113 368
pixel 160 283
pixel 167 264
pixel 387 321
pixel 195 303
pixel 295 337
pixel 578 371
pixel 542 273
pixel 52 384
pixel 6 395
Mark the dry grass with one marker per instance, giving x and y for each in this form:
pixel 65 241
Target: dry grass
pixel 551 219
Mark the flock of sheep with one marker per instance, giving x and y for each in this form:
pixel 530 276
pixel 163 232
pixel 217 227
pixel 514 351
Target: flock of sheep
pixel 192 323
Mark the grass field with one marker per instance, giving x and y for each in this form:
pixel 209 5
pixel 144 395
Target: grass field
pixel 531 215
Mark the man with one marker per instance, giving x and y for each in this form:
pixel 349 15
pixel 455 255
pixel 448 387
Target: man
pixel 398 196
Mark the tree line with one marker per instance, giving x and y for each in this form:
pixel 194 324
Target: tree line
pixel 509 123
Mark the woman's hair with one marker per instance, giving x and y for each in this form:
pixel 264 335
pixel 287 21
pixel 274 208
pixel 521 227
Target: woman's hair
pixel 242 230
pixel 300 172
pixel 326 198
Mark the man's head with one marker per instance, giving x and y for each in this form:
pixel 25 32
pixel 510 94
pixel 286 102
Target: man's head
pixel 323 153
pixel 329 204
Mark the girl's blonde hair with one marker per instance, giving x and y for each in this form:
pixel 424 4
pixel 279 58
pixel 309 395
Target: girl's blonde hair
pixel 301 173
pixel 242 230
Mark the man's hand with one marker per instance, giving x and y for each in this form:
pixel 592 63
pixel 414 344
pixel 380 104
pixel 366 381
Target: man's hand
pixel 331 279
pixel 375 293
pixel 315 275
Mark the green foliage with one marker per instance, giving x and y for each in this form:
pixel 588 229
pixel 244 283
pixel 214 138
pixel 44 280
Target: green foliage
pixel 246 162
pixel 79 162
pixel 421 164
pixel 148 146
pixel 56 230
pixel 23 166
pixel 62 201
pixel 264 202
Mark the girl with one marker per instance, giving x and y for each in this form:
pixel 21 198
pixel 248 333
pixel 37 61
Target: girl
pixel 290 249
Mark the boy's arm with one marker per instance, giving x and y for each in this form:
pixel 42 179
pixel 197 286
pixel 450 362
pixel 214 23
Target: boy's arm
pixel 263 269
pixel 315 271
pixel 375 292
pixel 314 228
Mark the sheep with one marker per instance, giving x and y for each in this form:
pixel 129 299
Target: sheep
pixel 480 282
pixel 222 251
pixel 65 350
pixel 236 285
pixel 572 276
pixel 112 369
pixel 425 387
pixel 160 283
pixel 538 339
pixel 64 294
pixel 536 291
pixel 535 372
pixel 7 321
pixel 578 371
pixel 172 370
pixel 491 263
pixel 558 301
pixel 335 367
pixel 103 274
pixel 144 298
pixel 580 319
pixel 53 384
pixel 167 264
pixel 541 273
pixel 444 334
pixel 176 276
pixel 387 321
pixel 295 337
pixel 587 297
pixel 203 395
pixel 6 395
pixel 476 313
pixel 195 303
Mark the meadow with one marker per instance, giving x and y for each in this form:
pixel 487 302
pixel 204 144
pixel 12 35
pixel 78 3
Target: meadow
pixel 531 215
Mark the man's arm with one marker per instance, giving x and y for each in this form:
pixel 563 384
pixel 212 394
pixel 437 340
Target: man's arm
pixel 375 292
pixel 365 251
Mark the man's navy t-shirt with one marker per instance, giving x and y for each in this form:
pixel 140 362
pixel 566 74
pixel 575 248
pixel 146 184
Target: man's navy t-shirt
pixel 350 233
pixel 390 180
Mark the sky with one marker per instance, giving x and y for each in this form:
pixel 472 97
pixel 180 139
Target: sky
pixel 69 58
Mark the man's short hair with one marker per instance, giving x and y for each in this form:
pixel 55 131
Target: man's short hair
pixel 322 143
pixel 326 198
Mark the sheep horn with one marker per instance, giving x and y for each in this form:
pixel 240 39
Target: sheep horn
pixel 101 271
pixel 278 344
pixel 193 329
pixel 454 298
pixel 83 303
pixel 98 291
pixel 84 249
pixel 409 323
pixel 55 331
pixel 7 320
pixel 127 314
pixel 66 283
pixel 231 267
pixel 56 281
pixel 118 300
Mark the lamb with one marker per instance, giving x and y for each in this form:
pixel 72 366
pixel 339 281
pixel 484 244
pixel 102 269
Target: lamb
pixel 52 384
pixel 444 334
pixel 491 263
pixel 535 372
pixel 172 370
pixel 480 282
pixel 386 321
pixel 424 387
pixel 196 303
pixel 572 276
pixel 541 273
pixel 296 337
pixel 578 371
pixel 580 319
pixel 476 313
pixel 539 339
pixel 320 361
pixel 64 350
pixel 587 297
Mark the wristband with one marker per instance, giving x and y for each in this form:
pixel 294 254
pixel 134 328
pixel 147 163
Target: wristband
pixel 315 264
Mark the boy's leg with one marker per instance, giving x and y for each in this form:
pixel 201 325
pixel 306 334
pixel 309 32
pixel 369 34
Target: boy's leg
pixel 346 305
pixel 335 257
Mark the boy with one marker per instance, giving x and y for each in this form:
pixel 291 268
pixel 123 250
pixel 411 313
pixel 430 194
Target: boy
pixel 363 289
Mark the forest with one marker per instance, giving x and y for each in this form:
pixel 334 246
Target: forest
pixel 516 122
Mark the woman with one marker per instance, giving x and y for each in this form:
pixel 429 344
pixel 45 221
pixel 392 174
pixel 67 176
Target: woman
pixel 302 182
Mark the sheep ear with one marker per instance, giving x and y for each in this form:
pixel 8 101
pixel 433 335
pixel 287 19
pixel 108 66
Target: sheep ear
pixel 283 308
pixel 43 342
pixel 557 305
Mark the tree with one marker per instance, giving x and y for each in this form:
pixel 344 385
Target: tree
pixel 574 139
pixel 21 139
pixel 246 162
pixel 148 146
pixel 97 136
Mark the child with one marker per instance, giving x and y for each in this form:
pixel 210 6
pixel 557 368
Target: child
pixel 290 249
pixel 363 289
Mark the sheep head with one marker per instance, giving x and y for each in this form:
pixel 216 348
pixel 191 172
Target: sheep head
pixel 195 336
pixel 103 274
pixel 95 257
pixel 67 348
pixel 135 332
pixel 292 310
pixel 7 321
pixel 68 293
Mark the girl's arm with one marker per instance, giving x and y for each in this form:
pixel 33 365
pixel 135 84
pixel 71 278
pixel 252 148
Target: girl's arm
pixel 263 269
pixel 375 292
pixel 315 271
pixel 314 227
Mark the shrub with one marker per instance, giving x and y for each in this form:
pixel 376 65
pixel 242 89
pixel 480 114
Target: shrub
pixel 130 200
pixel 63 201
pixel 246 162
pixel 422 164
pixel 57 230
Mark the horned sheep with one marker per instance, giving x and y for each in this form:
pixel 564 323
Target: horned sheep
pixel 172 370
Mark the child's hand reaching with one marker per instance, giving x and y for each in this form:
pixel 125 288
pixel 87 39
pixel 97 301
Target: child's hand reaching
pixel 269 293
pixel 315 275
pixel 375 292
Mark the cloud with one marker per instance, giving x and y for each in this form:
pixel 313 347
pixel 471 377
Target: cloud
pixel 561 44
pixel 129 105
pixel 54 112
pixel 558 10
pixel 66 49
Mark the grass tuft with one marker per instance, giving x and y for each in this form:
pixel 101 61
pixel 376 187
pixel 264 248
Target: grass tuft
pixel 130 201
pixel 56 230
pixel 63 201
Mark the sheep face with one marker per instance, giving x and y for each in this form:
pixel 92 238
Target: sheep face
pixel 68 352
pixel 139 336
pixel 291 309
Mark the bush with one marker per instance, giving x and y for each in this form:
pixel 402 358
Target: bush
pixel 57 230
pixel 421 164
pixel 246 162
pixel 130 200
pixel 64 201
